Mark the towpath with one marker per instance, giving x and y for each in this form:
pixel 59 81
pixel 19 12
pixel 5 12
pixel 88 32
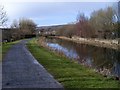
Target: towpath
pixel 21 70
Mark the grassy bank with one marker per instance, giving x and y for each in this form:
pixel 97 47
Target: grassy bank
pixel 5 47
pixel 69 73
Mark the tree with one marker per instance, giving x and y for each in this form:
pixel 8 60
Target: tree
pixel 15 31
pixel 3 16
pixel 117 24
pixel 15 24
pixel 69 30
pixel 27 26
pixel 22 28
pixel 66 30
pixel 61 30
pixel 83 27
pixel 102 21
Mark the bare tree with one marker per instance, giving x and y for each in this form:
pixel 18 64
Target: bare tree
pixel 66 30
pixel 15 24
pixel 70 30
pixel 27 26
pixel 15 31
pixel 117 20
pixel 3 16
pixel 22 28
pixel 83 27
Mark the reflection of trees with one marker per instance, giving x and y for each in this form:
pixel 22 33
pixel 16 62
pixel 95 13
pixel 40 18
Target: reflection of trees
pixel 82 52
pixel 98 57
pixel 116 69
pixel 67 44
pixel 116 64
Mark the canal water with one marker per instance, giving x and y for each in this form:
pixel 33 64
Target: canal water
pixel 103 60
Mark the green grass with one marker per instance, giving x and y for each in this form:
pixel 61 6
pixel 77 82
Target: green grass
pixel 70 74
pixel 5 47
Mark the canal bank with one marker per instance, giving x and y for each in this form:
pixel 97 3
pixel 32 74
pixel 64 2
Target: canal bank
pixel 95 42
pixel 69 73
pixel 102 60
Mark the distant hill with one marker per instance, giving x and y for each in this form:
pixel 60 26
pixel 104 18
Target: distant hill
pixel 54 27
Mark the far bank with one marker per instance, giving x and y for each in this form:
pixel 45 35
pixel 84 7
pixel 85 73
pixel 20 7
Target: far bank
pixel 114 44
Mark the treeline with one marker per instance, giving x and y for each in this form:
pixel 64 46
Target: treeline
pixel 101 24
pixel 23 28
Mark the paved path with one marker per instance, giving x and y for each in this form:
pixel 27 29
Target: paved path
pixel 21 70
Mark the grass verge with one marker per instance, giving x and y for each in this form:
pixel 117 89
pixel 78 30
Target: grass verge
pixel 5 47
pixel 69 73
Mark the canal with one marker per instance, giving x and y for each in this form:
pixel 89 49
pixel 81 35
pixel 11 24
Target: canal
pixel 103 60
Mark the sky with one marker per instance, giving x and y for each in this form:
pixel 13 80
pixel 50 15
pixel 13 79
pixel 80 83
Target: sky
pixel 46 13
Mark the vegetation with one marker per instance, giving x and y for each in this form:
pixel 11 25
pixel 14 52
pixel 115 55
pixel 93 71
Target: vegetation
pixel 103 24
pixel 24 28
pixel 84 29
pixel 70 74
pixel 3 16
pixel 66 30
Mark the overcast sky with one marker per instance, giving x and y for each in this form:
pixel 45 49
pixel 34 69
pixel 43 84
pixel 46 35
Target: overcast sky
pixel 51 13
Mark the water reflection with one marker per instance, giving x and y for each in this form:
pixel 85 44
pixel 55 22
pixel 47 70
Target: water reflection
pixel 69 53
pixel 103 60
